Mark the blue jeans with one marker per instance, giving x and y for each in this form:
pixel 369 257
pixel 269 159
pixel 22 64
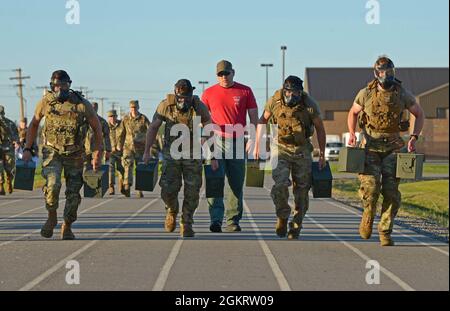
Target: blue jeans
pixel 235 173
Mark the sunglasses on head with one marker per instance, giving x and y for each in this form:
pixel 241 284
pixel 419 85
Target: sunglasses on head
pixel 223 74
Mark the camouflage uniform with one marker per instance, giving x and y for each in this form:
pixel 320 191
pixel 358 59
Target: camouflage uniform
pixel 380 121
pixel 174 172
pixel 90 142
pixel 133 132
pixel 295 127
pixel 8 151
pixel 115 161
pixel 5 137
pixel 64 135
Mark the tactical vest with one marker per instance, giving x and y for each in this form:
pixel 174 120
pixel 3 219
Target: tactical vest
pixel 295 125
pixel 178 117
pixel 382 113
pixel 65 125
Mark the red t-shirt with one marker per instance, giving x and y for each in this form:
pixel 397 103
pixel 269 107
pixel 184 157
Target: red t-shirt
pixel 228 106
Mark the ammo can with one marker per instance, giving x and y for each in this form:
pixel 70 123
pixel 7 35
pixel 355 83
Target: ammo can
pixel 255 176
pixel 147 175
pixel 24 178
pixel 322 181
pixel 410 165
pixel 215 181
pixel 96 183
pixel 351 160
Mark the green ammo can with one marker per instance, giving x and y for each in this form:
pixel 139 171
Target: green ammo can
pixel 351 160
pixel 147 176
pixel 410 165
pixel 255 175
pixel 24 178
pixel 322 181
pixel 215 181
pixel 96 182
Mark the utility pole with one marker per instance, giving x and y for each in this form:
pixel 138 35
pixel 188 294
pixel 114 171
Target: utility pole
pixel 283 50
pixel 267 66
pixel 101 99
pixel 20 78
pixel 85 90
pixel 44 89
pixel 203 84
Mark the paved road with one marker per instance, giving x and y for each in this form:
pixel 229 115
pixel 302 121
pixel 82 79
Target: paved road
pixel 121 245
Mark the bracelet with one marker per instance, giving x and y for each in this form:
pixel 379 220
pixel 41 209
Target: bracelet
pixel 414 135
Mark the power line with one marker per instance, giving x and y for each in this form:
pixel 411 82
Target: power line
pixel 20 78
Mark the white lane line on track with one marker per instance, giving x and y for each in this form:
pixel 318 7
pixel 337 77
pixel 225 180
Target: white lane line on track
pixel 279 276
pixel 165 270
pixel 62 263
pixel 405 286
pixel 344 207
pixel 39 230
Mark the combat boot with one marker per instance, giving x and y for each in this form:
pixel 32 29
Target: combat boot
pixel 2 189
pixel 171 222
pixel 127 191
pixel 294 231
pixel 281 227
pixel 111 190
pixel 9 186
pixel 50 224
pixel 121 187
pixel 386 240
pixel 66 231
pixel 140 194
pixel 186 231
pixel 365 227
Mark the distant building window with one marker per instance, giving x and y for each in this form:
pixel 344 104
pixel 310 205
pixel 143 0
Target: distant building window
pixel 441 113
pixel 329 115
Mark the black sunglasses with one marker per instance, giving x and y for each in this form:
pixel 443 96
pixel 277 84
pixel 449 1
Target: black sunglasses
pixel 223 74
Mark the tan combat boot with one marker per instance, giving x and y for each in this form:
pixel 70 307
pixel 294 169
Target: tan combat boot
pixel 9 186
pixel 50 224
pixel 171 222
pixel 127 191
pixel 281 227
pixel 365 227
pixel 66 231
pixel 294 231
pixel 386 240
pixel 111 190
pixel 2 189
pixel 140 194
pixel 186 231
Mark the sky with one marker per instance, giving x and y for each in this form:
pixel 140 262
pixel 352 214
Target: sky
pixel 138 49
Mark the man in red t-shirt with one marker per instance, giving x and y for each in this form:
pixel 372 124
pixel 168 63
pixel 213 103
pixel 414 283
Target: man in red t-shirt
pixel 229 102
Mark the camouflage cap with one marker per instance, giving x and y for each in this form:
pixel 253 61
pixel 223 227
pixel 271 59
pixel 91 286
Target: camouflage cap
pixel 24 120
pixel 224 66
pixel 134 104
pixel 2 109
pixel 184 88
pixel 112 113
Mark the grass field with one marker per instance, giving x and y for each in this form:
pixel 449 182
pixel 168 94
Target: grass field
pixel 428 168
pixel 424 199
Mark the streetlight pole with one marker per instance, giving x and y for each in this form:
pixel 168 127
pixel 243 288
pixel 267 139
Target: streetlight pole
pixel 203 84
pixel 283 50
pixel 267 79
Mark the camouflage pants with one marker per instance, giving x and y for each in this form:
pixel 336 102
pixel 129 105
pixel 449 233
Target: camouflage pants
pixel 129 159
pixel 52 166
pixel 115 163
pixel 8 166
pixel 300 168
pixel 174 172
pixel 380 177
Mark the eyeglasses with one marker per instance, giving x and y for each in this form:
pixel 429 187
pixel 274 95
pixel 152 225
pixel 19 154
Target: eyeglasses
pixel 223 74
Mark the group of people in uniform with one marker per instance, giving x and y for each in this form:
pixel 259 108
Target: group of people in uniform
pixel 76 138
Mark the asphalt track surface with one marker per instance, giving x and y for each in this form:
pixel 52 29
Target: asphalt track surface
pixel 121 245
